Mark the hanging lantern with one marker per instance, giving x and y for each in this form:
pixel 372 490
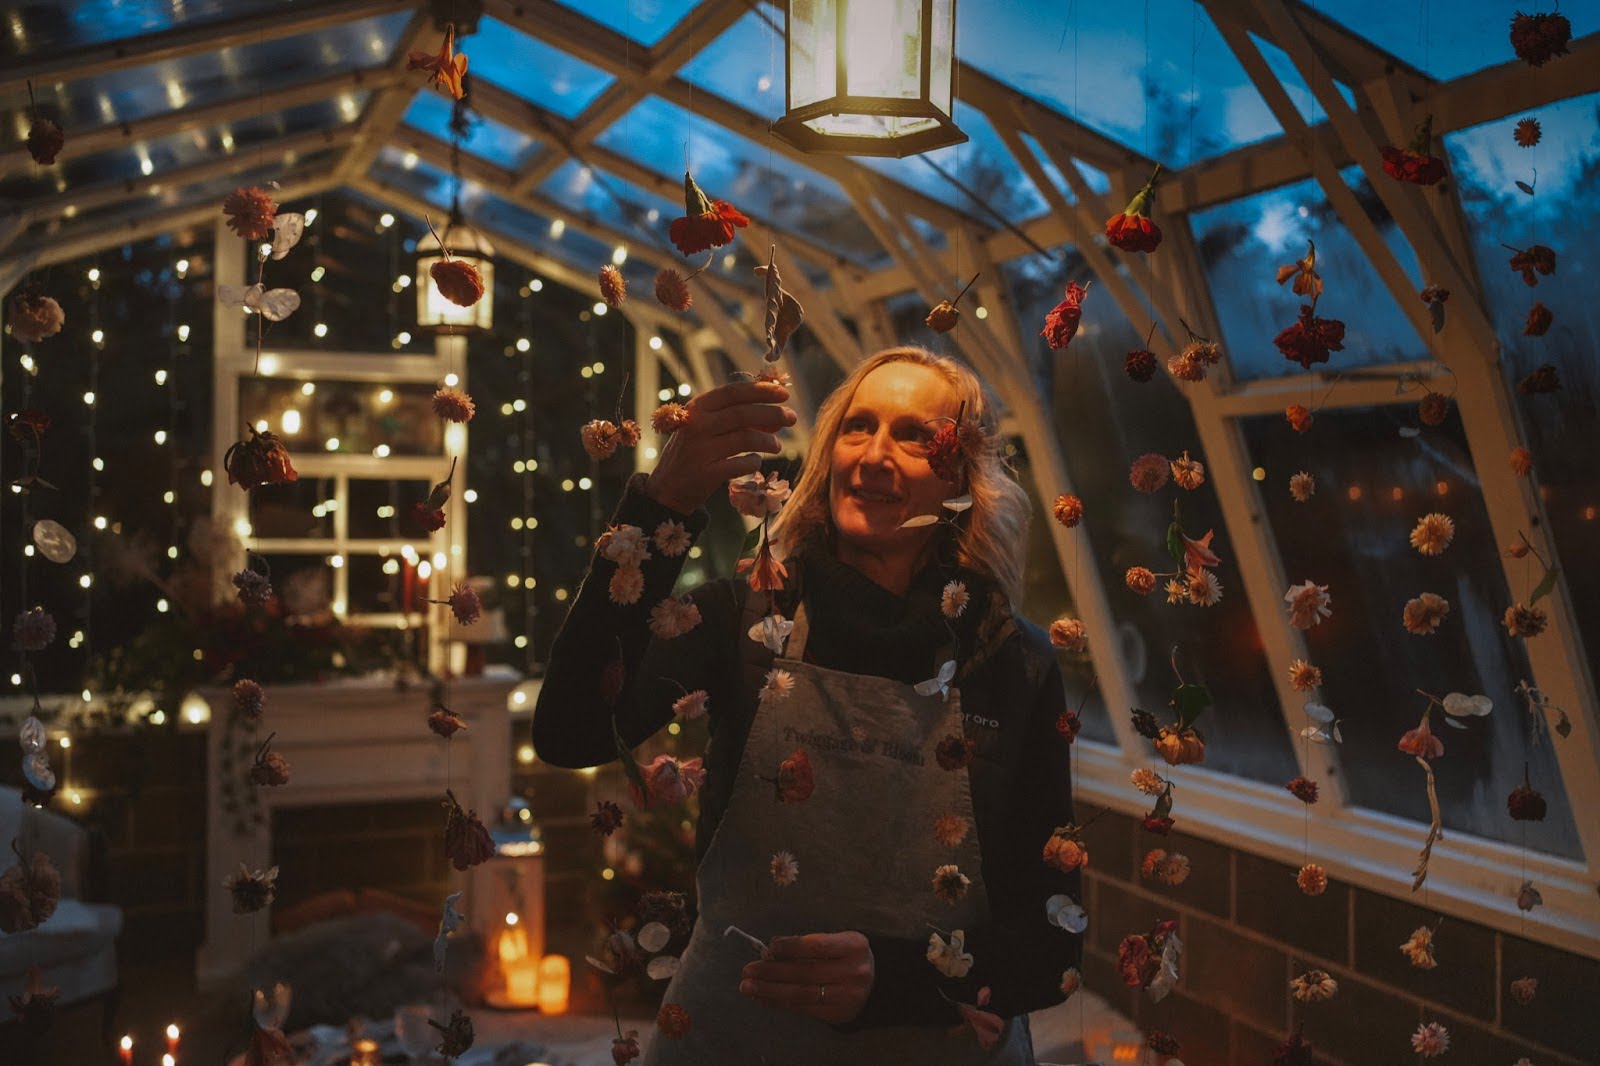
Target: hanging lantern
pixel 437 314
pixel 870 77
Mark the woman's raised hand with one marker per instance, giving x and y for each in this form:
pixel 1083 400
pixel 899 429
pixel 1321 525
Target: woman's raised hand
pixel 727 429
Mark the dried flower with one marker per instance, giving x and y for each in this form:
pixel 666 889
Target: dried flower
pixel 1069 633
pixel 1421 742
pixel 251 213
pixel 260 459
pixel 1433 408
pixel 1140 365
pixel 624 1049
pixel 691 705
pixel 35 1008
pixel 943 317
pixel 1307 282
pixel 270 769
pixel 1295 1051
pixel 1298 416
pixel 1148 781
pixel 1180 746
pixel 1149 472
pixel 1309 603
pixel 1177 591
pixel 613 286
pixel 1425 613
pixel 445 69
pixel 1162 1043
pixel 1539 319
pixel 1312 879
pixel 45 140
pixel 672 290
pixel 1527 133
pixel 1158 825
pixel 1187 365
pixel 1430 1040
pixel 249 698
pixel 254 587
pixel 600 439
pixel 779 683
pixel 1068 725
pixel 1203 587
pixel 1068 510
pixel 466 840
pixel 796 780
pixel 1310 339
pixel 1528 897
pixel 626 585
pixel 671 538
pixel 1414 163
pixel 1071 981
pixel 606 819
pixel 455 1036
pixel 949 956
pixel 669 418
pixel 954 752
pixel 953 599
pixel 1523 989
pixel 1314 986
pixel 1541 37
pixel 1198 553
pixel 453 405
pixel 766 571
pixel 33 629
pixel 758 495
pixel 252 890
pixel 1526 804
pixel 457 281
pixel 1303 789
pixel 950 829
pixel 1543 379
pixel 673 1021
pixel 1064 850
pixel 465 604
pixel 428 519
pixel 1139 580
pixel 1525 620
pixel 1061 324
pixel 785 869
pixel 1188 473
pixel 1174 870
pixel 950 884
pixel 673 617
pixel 1303 677
pixel 28 425
pixel 33 317
pixel 1521 460
pixel 1302 487
pixel 444 722
pixel 706 223
pixel 1418 948
pixel 1532 261
pixel 30 891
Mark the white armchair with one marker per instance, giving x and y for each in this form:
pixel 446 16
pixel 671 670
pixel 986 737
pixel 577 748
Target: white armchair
pixel 77 948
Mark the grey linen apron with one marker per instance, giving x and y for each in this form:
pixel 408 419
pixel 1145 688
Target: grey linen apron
pixel 867 853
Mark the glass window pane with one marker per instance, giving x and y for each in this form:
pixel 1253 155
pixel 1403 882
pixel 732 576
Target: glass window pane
pixel 1105 420
pixel 1446 42
pixel 1165 84
pixel 1558 427
pixel 645 21
pixel 238 72
pixel 983 165
pixel 356 417
pixel 533 70
pixel 381 509
pixel 1243 242
pixel 748 61
pixel 431 111
pixel 292 510
pixel 34 29
pixel 1352 536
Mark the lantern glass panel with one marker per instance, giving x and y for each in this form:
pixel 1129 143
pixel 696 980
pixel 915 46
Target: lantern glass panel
pixel 813 51
pixel 940 54
pixel 883 49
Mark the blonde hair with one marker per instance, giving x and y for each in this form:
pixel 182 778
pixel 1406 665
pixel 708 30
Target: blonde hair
pixel 990 537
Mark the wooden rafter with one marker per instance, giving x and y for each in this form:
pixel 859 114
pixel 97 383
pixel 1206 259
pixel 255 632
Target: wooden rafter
pixel 387 106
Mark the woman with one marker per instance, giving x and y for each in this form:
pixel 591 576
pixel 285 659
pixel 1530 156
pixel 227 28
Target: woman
pixel 930 811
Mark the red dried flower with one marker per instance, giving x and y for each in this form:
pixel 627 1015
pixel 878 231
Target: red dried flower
pixel 672 290
pixel 673 1021
pixel 1433 408
pixel 466 841
pixel 458 281
pixel 28 424
pixel 1133 230
pixel 1537 39
pixel 1531 261
pixel 606 819
pixel 453 405
pixel 1526 804
pixel 1527 133
pixel 45 141
pixel 624 1049
pixel 1136 963
pixel 1298 416
pixel 1140 365
pixel 1295 1051
pixel 795 781
pixel 1068 510
pixel 1415 164
pixel 1062 322
pixel 445 723
pixel 1313 879
pixel 34 317
pixel 1539 319
pixel 1434 294
pixel 1068 725
pixel 951 445
pixel 428 519
pixel 465 604
pixel 613 286
pixel 1303 789
pixel 1162 1043
pixel 251 212
pixel 1523 989
pixel 706 223
pixel 1158 826
pixel 1544 378
pixel 261 459
pixel 1311 338
pixel 954 752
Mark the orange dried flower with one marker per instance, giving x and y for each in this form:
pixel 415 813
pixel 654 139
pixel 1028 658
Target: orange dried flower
pixel 628 433
pixel 1425 613
pixel 1539 319
pixel 943 318
pixel 1069 633
pixel 1312 879
pixel 261 459
pixel 1203 588
pixel 1418 948
pixel 1527 133
pixel 600 438
pixel 1433 533
pixel 458 281
pixel 950 829
pixel 445 68
pixel 669 418
pixel 270 769
pixel 251 212
pixel 1064 850
pixel 1068 510
pixel 706 223
pixel 1298 416
pixel 1188 473
pixel 1152 861
pixel 1179 746
pixel 1140 580
pixel 1521 461
pixel 444 722
pixel 1303 677
pixel 1187 365
pixel 1433 408
pixel 1302 487
pixel 672 290
pixel 453 405
pixel 1525 620
pixel 613 286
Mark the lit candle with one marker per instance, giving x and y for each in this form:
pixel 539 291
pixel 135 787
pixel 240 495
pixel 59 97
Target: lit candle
pixel 520 967
pixel 555 984
pixel 172 1043
pixel 168 1060
pixel 365 1052
pixel 125 1051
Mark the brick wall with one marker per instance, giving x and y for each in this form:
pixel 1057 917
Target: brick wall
pixel 1247 930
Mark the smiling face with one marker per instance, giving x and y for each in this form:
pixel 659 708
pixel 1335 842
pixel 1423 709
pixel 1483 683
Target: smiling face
pixel 879 473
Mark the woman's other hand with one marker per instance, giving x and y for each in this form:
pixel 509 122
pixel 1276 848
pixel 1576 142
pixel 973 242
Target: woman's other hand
pixel 727 426
pixel 826 976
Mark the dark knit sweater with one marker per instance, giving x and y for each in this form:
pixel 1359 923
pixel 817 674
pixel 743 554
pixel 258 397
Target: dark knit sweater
pixel 1011 694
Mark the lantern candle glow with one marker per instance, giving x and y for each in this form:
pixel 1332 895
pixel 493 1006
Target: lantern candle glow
pixel 555 984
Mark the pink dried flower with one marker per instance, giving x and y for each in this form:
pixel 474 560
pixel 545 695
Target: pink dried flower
pixel 1149 472
pixel 671 538
pixel 1309 603
pixel 1430 1040
pixel 673 617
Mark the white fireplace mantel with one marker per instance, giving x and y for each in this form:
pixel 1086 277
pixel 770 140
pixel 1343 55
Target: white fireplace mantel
pixel 351 741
